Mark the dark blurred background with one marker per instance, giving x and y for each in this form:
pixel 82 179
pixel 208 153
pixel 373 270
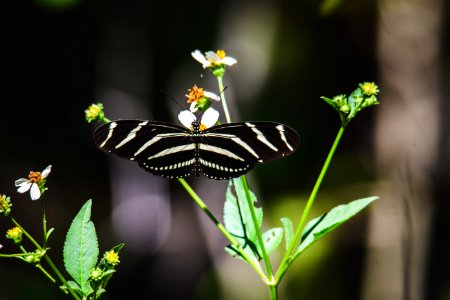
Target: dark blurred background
pixel 62 55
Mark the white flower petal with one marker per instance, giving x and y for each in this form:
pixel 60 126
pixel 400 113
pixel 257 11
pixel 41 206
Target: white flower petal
pixel 186 118
pixel 210 117
pixel 193 108
pixel 229 61
pixel 20 181
pixel 211 55
pixel 197 55
pixel 47 171
pixel 23 187
pixel 211 95
pixel 35 192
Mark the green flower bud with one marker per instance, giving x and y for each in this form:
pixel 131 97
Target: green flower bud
pixel 5 206
pixel 94 113
pixel 96 274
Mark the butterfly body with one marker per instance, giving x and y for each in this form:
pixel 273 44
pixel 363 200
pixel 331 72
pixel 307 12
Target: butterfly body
pixel 219 152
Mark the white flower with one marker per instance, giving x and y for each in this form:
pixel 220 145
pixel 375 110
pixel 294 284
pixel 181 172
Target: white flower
pixel 32 183
pixel 211 58
pixel 209 118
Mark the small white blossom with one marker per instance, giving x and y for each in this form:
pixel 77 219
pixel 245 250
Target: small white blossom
pixel 211 58
pixel 32 183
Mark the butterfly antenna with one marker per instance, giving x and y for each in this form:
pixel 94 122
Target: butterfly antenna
pixel 172 98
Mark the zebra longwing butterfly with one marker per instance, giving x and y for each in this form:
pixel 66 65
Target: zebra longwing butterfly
pixel 219 152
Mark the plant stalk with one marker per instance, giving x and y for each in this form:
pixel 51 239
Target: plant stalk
pixel 285 263
pixel 222 228
pixel 224 101
pixel 257 229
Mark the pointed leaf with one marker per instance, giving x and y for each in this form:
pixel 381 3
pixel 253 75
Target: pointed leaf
pixel 49 232
pixel 238 220
pixel 318 227
pixel 331 103
pixel 288 231
pixel 81 248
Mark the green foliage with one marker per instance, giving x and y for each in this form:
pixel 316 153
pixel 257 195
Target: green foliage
pixel 81 248
pixel 347 107
pixel 272 239
pixel 320 226
pixel 239 222
pixel 288 231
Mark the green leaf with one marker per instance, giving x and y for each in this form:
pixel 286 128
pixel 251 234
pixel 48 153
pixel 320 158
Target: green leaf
pixel 288 231
pixel 100 291
pixel 331 102
pixel 74 287
pixel 355 98
pixel 319 227
pixel 81 248
pixel 49 232
pixel 238 220
pixel 272 239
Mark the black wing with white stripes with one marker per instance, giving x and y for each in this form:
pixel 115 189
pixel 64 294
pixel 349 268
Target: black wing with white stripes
pixel 230 150
pixel 220 152
pixel 160 148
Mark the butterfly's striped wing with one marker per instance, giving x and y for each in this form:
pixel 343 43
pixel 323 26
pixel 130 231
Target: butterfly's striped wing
pixel 163 149
pixel 230 150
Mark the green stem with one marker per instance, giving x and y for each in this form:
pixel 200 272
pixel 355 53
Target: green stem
pixel 257 229
pixel 273 292
pixel 287 259
pixel 222 228
pixel 60 276
pixel 47 258
pixel 224 101
pixel 32 240
pixel 44 223
pixel 39 266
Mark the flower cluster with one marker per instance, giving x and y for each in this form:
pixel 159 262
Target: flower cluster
pixel 106 266
pixel 364 96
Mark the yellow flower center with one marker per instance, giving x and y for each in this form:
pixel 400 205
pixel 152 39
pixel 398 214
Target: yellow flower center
pixel 92 111
pixel 34 177
pixel 14 233
pixel 112 257
pixel 195 94
pixel 369 88
pixel 221 54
